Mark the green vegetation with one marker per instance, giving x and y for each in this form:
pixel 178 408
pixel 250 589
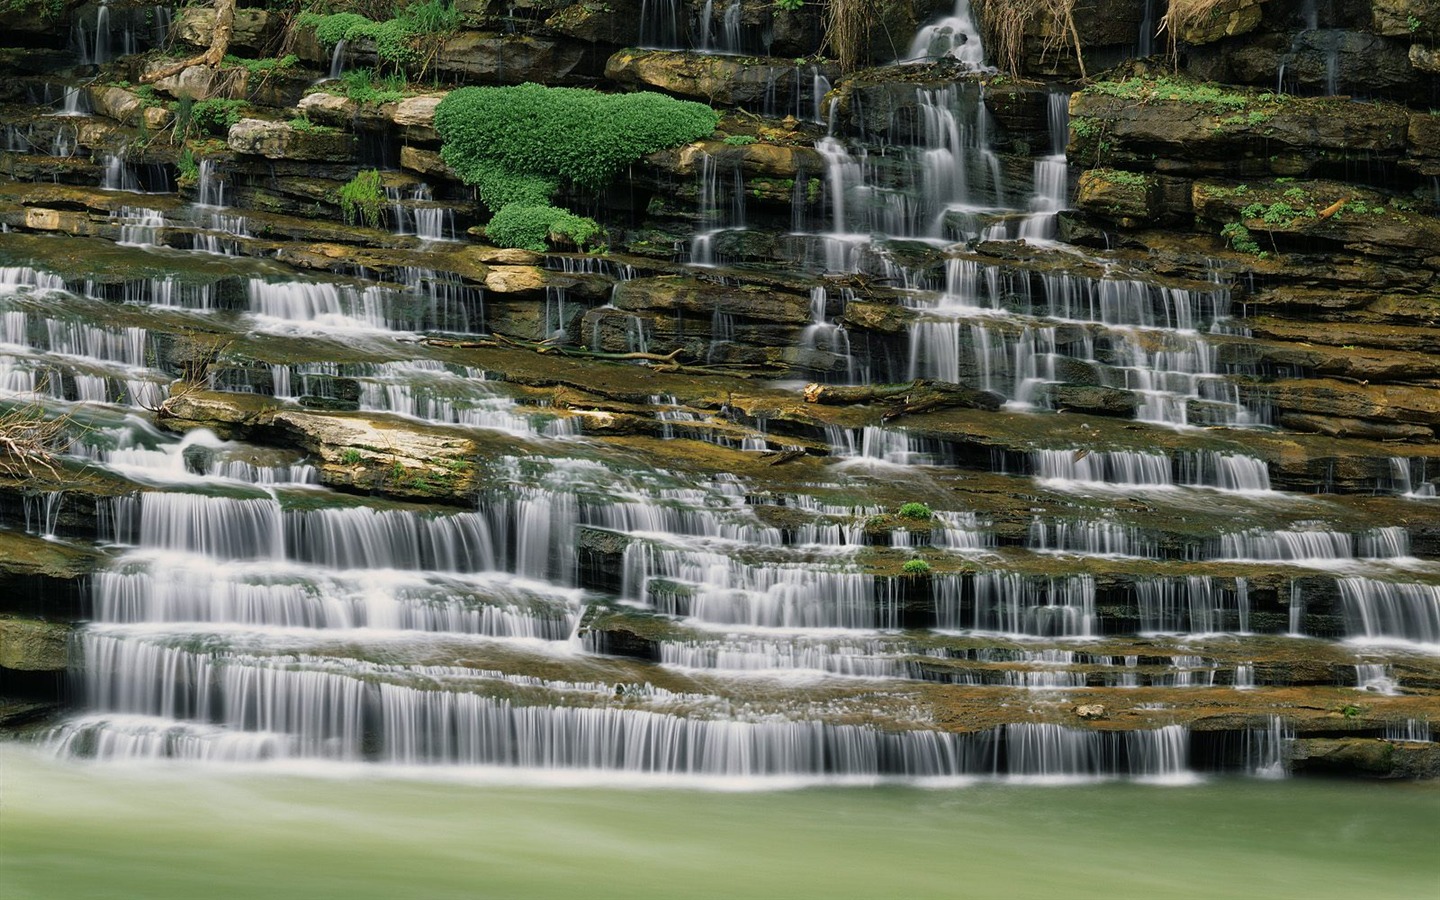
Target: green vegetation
pixel 794 5
pixel 350 456
pixel 529 227
pixel 368 86
pixel 1240 239
pixel 1166 87
pixel 362 199
pixel 262 66
pixel 739 140
pixel 49 10
pixel 915 567
pixel 214 116
pixel 520 145
pixel 916 511
pixel 399 41
pixel 1129 179
pixel 187 165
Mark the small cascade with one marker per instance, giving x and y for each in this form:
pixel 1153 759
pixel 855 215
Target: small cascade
pixel 1411 730
pixel 1312 547
pixel 662 25
pixel 1149 343
pixel 1094 537
pixel 1011 603
pixel 1376 678
pixel 822 335
pixel 1062 468
pixel 1384 610
pixel 1409 479
pixel 139 226
pixel 337 59
pixel 118 175
pixel 1267 749
pixel 722 207
pixel 881 444
pixel 1195 604
pixel 210 186
pixel 1052 174
pixel 426 302
pixel 418 214
pixel 956 36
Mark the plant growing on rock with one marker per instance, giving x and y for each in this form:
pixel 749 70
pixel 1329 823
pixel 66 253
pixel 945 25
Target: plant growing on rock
pixel 362 199
pixel 915 567
pixel 408 39
pixel 916 511
pixel 520 145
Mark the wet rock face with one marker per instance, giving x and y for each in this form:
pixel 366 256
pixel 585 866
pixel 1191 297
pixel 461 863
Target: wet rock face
pixel 29 645
pixel 284 140
pixel 1366 757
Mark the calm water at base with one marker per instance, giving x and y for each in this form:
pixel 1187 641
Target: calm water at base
pixel 78 831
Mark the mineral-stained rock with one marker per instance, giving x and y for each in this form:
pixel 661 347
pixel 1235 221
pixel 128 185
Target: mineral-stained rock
pixel 281 140
pixel 30 645
pixel 1366 756
pixel 691 296
pixel 254 28
pixel 722 80
pixel 508 58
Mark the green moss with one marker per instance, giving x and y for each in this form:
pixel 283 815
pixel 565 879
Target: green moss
pixel 262 66
pixel 519 145
pixel 916 567
pixel 362 199
pixel 739 140
pixel 571 134
pixel 1165 87
pixel 529 227
pixel 916 511
pixel 368 86
pixel 215 116
pixel 398 40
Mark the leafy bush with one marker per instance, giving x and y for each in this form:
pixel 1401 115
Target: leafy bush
pixel 572 134
pixel 396 40
pixel 362 199
pixel 215 116
pixel 529 227
pixel 263 66
pixel 915 511
pixel 739 140
pixel 518 145
pixel 367 86
pixel 916 567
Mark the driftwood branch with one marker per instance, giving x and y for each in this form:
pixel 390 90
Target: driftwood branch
pixel 219 45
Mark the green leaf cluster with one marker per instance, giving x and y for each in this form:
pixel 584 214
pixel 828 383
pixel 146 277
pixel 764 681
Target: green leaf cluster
pixel 215 116
pixel 529 227
pixel 570 134
pixel 396 40
pixel 519 145
pixel 362 199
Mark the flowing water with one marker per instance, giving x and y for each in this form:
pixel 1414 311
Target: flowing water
pixel 187 833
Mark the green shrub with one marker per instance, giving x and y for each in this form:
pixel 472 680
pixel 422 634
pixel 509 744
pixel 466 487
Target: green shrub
pixel 529 227
pixel 916 511
pixel 739 140
pixel 262 66
pixel 187 165
pixel 362 199
pixel 916 567
pixel 493 134
pixel 215 116
pixel 368 86
pixel 396 40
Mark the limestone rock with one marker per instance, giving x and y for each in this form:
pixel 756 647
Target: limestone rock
pixel 1126 197
pixel 30 645
pixel 328 109
pixel 415 116
pixel 1366 756
pixel 426 162
pixel 1090 711
pixel 281 140
pixel 116 103
pixel 254 28
pixel 726 80
pixel 1404 18
pixel 1425 59
pixel 194 82
pixel 597 23
pixel 504 279
pixel 508 58
pixel 694 297
pixel 758 159
pixel 1227 19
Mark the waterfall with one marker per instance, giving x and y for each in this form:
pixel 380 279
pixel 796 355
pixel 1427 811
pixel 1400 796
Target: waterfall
pixel 1387 610
pixel 956 36
pixel 662 24
pixel 337 59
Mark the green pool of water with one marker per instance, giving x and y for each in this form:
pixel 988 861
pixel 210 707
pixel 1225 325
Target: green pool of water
pixel 83 831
